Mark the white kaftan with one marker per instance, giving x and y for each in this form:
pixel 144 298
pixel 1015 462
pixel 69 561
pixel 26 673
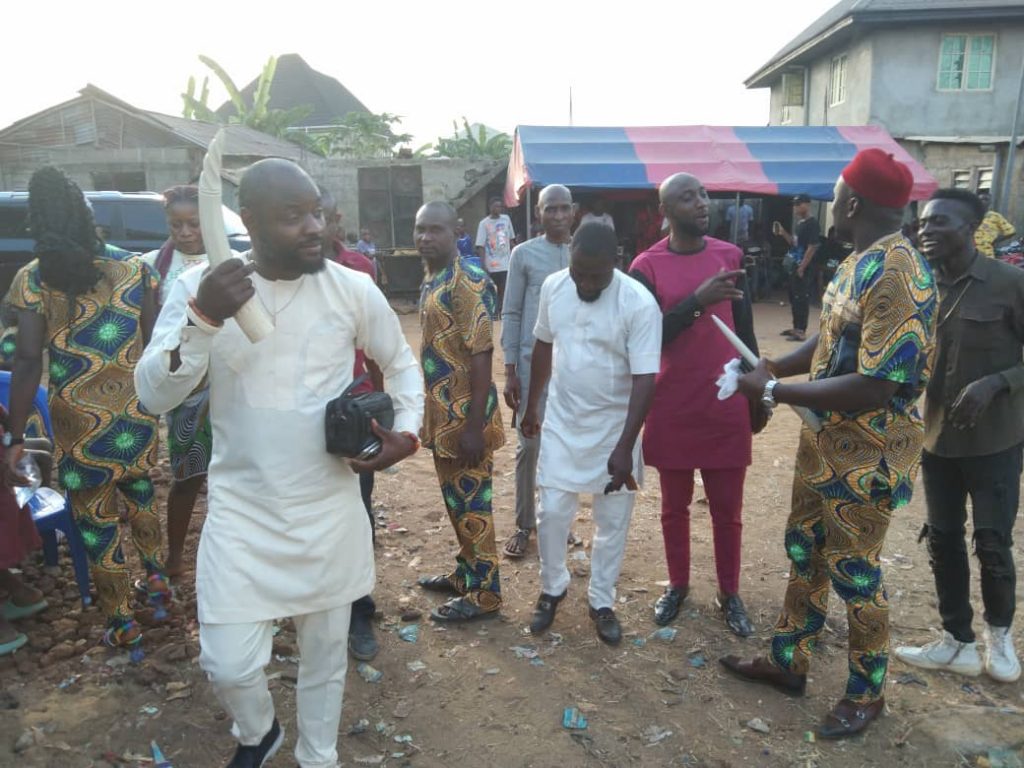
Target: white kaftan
pixel 598 347
pixel 286 533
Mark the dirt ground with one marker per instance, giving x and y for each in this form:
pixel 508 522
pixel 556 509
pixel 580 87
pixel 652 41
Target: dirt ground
pixel 464 696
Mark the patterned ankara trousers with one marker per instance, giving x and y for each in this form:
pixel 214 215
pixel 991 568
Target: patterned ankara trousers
pixel 98 516
pixel 834 535
pixel 467 496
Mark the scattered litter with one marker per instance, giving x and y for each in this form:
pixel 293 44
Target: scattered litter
pixel 555 638
pixel 368 673
pixel 384 728
pixel 1004 758
pixel 159 761
pixel 177 691
pixel 809 737
pixel 698 660
pixel 640 642
pixel 655 735
pixel 286 659
pixel 28 739
pixel 759 725
pixel 909 678
pixel 580 556
pixel 411 615
pixel 900 561
pixel 415 562
pixel 416 666
pixel 573 719
pixel 150 710
pixel 524 651
pixel 119 660
pixel 403 739
pixel 402 709
pixel 661 583
pixel 360 727
pixel 276 630
pixel 575 541
pixel 536 662
pixel 371 759
pixel 665 634
pixel 68 682
pixel 492 671
pixel 410 633
pixel 968 688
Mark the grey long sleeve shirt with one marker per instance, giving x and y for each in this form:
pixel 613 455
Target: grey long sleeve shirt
pixel 531 263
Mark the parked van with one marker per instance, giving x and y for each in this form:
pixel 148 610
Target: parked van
pixel 134 221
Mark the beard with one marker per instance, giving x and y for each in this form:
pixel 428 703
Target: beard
pixel 589 298
pixel 689 228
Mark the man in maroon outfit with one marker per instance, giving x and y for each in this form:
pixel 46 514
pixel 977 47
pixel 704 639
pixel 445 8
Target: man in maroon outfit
pixel 689 428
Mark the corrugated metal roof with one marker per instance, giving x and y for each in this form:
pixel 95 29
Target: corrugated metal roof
pixel 242 141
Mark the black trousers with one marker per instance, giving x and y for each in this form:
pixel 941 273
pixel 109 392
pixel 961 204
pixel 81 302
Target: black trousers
pixel 799 298
pixel 993 483
pixel 365 606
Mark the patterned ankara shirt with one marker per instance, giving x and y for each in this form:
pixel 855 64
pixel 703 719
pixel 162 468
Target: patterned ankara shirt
pixel 878 320
pixel 457 310
pixel 101 434
pixel 993 227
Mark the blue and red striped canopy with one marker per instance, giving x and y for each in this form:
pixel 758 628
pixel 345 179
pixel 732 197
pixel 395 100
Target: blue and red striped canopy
pixel 776 160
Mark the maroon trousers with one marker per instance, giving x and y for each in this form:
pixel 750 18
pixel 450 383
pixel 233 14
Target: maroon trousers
pixel 724 489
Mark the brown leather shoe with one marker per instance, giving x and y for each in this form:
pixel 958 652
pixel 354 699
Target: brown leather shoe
pixel 760 670
pixel 848 718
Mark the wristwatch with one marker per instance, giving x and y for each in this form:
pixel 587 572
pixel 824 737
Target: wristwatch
pixel 768 396
pixel 10 440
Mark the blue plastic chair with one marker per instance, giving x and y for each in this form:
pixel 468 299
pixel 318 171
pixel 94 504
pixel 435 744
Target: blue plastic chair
pixel 62 521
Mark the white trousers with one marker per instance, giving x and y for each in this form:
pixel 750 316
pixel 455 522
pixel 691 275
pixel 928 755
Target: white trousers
pixel 555 515
pixel 234 657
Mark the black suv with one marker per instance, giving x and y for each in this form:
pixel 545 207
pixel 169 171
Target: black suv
pixel 134 221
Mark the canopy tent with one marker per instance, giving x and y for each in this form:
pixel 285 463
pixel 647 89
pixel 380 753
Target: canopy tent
pixel 776 160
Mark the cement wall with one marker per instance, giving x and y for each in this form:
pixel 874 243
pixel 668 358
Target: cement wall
pixel 906 99
pixel 855 108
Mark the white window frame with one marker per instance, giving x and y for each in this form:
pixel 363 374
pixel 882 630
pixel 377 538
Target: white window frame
pixel 965 72
pixel 786 77
pixel 961 178
pixel 786 116
pixel 980 184
pixel 837 91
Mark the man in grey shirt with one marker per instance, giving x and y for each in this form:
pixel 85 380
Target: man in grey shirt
pixel 530 265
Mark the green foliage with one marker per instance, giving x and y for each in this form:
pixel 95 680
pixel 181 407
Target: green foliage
pixel 362 136
pixel 258 115
pixel 470 146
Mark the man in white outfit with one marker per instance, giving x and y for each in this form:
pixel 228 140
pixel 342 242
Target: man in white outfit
pixel 286 534
pixel 599 342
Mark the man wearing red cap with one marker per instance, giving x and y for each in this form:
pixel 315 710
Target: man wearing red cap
pixel 868 366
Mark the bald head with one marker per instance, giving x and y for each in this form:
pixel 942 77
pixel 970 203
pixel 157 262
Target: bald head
pixel 684 203
pixel 435 234
pixel 271 179
pixel 554 193
pixel 676 185
pixel 280 206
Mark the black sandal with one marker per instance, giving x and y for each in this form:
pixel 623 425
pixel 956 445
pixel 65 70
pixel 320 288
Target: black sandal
pixel 516 545
pixel 443 583
pixel 460 610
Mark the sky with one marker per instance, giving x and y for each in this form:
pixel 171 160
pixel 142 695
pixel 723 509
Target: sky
pixel 640 62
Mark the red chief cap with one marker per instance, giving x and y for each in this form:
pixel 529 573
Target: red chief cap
pixel 877 176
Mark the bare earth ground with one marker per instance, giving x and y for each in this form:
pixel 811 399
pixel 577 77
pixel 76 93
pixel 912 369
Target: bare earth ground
pixel 467 699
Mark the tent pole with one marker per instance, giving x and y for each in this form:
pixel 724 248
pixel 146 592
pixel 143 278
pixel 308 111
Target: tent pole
pixel 736 220
pixel 526 235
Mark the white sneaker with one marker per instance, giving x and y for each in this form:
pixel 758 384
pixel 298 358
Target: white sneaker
pixel 947 653
pixel 1000 658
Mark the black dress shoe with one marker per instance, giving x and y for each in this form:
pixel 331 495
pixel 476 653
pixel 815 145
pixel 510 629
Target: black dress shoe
pixel 736 615
pixel 362 642
pixel 667 607
pixel 608 627
pixel 849 718
pixel 544 612
pixel 258 755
